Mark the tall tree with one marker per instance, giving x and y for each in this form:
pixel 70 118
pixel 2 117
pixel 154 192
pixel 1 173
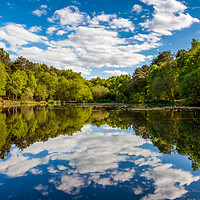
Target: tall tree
pixel 5 58
pixel 3 77
pixel 16 83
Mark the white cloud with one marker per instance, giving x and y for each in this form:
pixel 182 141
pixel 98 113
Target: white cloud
pixel 35 29
pixel 61 32
pixel 42 189
pixel 68 16
pixel 94 42
pixel 104 17
pixel 43 6
pixel 168 16
pixel 85 48
pixel 122 23
pixel 39 13
pixel 56 57
pixel 115 73
pixel 51 29
pixel 2 45
pixel 137 8
pixel 17 35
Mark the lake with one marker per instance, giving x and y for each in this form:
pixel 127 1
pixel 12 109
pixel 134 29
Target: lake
pixel 89 153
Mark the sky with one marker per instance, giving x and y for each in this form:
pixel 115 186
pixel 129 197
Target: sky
pixel 97 38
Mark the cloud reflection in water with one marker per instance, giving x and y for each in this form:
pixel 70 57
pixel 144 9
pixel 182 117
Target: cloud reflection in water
pixel 91 157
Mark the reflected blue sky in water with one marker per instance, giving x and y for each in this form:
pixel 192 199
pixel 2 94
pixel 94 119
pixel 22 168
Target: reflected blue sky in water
pixel 96 163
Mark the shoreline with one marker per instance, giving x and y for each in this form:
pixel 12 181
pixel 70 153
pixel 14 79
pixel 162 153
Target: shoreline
pixel 121 106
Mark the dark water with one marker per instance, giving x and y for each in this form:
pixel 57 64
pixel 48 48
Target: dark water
pixel 85 153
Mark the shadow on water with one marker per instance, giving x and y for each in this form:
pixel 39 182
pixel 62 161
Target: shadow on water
pixel 169 131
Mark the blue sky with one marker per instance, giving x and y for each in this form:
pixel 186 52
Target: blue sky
pixel 97 38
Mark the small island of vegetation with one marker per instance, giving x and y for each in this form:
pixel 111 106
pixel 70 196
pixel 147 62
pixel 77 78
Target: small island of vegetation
pixel 170 77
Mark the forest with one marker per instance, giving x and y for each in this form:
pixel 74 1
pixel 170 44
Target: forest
pixel 169 78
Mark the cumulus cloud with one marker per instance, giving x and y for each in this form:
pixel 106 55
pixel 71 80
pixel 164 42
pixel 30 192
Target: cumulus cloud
pixel 115 73
pixel 68 16
pixel 104 17
pixel 95 41
pixel 61 32
pixel 41 11
pixel 137 8
pixel 122 23
pixel 17 35
pixel 51 29
pixel 168 16
pixel 85 48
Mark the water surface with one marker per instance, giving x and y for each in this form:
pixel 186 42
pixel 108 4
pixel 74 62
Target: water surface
pixel 86 153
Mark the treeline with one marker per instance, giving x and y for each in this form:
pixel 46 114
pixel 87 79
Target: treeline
pixel 169 77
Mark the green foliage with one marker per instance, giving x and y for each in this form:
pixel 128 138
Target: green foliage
pixel 4 57
pixel 169 77
pixel 136 98
pixel 41 92
pixel 190 87
pixel 27 95
pixel 163 81
pixel 3 77
pixel 163 57
pixel 16 83
pixel 99 92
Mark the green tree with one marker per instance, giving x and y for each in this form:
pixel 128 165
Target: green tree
pixel 99 92
pixel 27 95
pixel 16 83
pixel 31 83
pixel 190 87
pixel 165 56
pixel 3 78
pixel 163 81
pixel 41 92
pixel 5 58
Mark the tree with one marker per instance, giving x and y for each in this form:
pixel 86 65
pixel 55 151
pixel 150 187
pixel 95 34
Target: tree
pixel 165 56
pixel 16 83
pixel 163 81
pixel 27 95
pixel 3 78
pixel 32 82
pixel 5 58
pixel 99 92
pixel 190 87
pixel 41 92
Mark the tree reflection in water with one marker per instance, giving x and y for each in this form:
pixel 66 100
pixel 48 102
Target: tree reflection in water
pixel 113 156
pixel 169 131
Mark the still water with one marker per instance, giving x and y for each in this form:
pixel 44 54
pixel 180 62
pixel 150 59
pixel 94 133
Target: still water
pixel 86 153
